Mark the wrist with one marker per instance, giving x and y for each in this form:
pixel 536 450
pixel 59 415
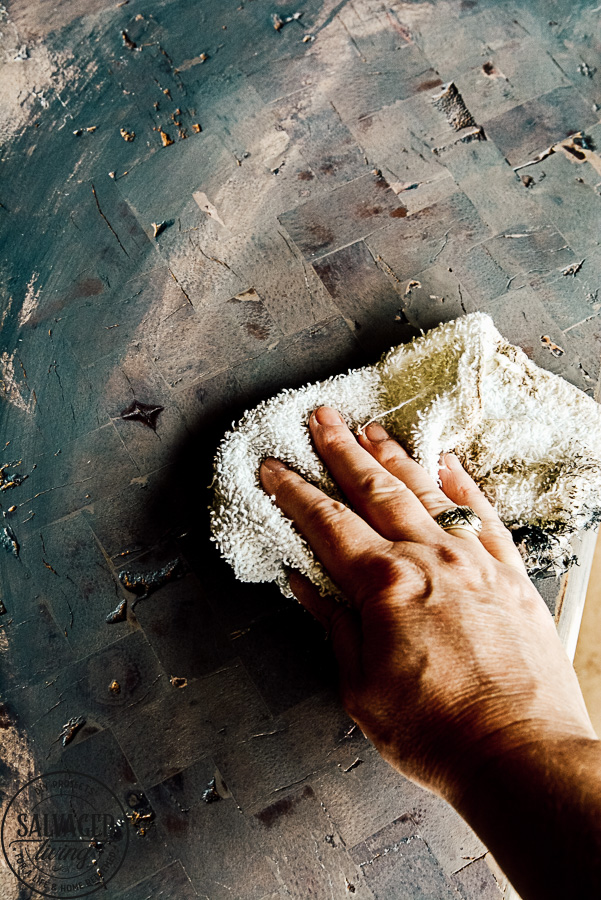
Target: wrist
pixel 537 807
pixel 519 748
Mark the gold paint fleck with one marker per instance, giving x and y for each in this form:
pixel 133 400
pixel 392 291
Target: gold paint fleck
pixel 167 141
pixel 555 349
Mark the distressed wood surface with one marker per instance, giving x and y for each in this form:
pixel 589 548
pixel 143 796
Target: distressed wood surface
pixel 189 225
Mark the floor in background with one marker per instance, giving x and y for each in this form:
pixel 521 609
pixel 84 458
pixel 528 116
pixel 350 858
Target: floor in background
pixel 196 210
pixel 587 661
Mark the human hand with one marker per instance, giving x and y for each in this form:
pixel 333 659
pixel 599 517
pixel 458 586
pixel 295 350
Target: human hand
pixel 448 656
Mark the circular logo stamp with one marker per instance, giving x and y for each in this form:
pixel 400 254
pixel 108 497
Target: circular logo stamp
pixel 64 834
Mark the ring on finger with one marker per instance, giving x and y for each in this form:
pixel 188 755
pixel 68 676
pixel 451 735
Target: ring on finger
pixel 460 518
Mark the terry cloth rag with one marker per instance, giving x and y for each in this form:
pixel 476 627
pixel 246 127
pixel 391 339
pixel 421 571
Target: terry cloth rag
pixel 530 440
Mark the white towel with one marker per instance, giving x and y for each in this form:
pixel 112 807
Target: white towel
pixel 530 439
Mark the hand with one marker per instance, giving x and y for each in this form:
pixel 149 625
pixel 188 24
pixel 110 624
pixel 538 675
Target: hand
pixel 448 655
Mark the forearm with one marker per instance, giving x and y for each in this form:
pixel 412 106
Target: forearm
pixel 538 809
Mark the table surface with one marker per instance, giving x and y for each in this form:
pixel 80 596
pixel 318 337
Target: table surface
pixel 299 179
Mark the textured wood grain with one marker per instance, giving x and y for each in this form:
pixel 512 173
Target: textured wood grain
pixel 527 130
pixel 397 858
pixel 360 285
pixel 359 208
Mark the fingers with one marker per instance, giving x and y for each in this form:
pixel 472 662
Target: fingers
pixel 379 497
pixel 341 624
pixel 397 461
pixel 457 486
pixel 461 489
pixel 338 537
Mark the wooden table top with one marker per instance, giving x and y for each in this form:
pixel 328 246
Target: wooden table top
pixel 198 209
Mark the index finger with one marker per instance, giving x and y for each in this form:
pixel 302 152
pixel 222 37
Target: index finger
pixel 340 539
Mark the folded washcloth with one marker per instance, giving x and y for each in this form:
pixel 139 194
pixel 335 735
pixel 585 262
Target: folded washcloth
pixel 530 439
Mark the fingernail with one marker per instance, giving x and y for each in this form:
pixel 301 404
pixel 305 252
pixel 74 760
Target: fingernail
pixel 449 460
pixel 325 415
pixel 375 433
pixel 273 465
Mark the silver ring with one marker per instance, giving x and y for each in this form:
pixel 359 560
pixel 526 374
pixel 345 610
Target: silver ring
pixel 460 517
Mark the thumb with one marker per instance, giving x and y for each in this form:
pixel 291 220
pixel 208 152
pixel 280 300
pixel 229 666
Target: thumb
pixel 342 626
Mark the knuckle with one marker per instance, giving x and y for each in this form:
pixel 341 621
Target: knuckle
pixel 326 512
pixel 393 577
pixel 388 452
pixel 377 484
pixel 455 553
pixel 433 501
pixel 383 571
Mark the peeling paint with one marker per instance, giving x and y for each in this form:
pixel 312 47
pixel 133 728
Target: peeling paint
pixel 142 815
pixel 450 102
pixel 491 71
pixel 143 584
pixel 573 269
pixel 70 729
pixel 211 794
pixel 145 413
pixel 8 540
pixel 119 614
pixel 5 312
pixel 578 148
pixel 30 77
pixel 205 204
pixel 555 349
pixel 30 302
pixel 12 391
